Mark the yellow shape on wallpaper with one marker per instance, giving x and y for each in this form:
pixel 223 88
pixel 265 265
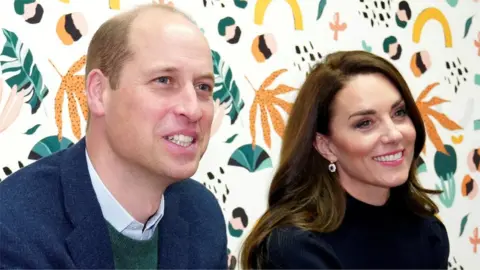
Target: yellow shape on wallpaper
pixel 74 86
pixel 261 7
pixel 114 4
pixel 432 14
pixel 457 139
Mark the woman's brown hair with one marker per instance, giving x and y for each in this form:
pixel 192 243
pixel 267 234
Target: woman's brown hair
pixel 303 193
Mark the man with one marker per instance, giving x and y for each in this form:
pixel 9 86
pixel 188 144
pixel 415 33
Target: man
pixel 117 198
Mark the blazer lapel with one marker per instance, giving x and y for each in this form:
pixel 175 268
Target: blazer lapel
pixel 173 237
pixel 89 242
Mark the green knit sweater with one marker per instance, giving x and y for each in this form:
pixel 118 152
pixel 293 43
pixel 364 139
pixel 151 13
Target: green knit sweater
pixel 133 254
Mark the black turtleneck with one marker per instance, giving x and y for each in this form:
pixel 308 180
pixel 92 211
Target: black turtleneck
pixel 370 237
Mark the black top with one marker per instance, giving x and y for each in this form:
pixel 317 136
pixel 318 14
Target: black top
pixel 370 237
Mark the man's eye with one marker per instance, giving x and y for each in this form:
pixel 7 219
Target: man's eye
pixel 205 87
pixel 163 79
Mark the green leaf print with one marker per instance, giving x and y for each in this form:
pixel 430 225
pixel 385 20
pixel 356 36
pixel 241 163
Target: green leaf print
pixel 48 146
pixel 18 67
pixel 251 159
pixel 226 89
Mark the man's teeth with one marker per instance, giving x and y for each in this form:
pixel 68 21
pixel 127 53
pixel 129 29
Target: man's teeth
pixel 181 140
pixel 395 157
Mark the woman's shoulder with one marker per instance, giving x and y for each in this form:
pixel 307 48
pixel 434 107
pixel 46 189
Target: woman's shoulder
pixel 293 247
pixel 438 239
pixel 436 228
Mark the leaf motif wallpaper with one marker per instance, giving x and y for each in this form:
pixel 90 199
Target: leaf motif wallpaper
pixel 262 50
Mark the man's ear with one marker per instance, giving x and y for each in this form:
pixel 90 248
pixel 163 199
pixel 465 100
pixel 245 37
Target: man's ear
pixel 324 146
pixel 96 87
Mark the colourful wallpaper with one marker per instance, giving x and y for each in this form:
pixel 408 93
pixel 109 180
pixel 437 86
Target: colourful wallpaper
pixel 262 50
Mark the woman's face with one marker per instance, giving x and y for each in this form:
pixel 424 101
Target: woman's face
pixel 372 138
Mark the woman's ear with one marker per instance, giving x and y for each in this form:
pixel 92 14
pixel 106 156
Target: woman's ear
pixel 324 146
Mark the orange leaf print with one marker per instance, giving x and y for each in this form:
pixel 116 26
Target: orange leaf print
pixel 427 90
pixel 282 89
pixel 58 110
pixel 477 44
pixel 74 86
pixel 266 99
pixel 253 116
pixel 287 107
pixel 427 113
pixel 435 101
pixel 443 120
pixel 269 80
pixel 265 126
pixel 434 137
pixel 277 121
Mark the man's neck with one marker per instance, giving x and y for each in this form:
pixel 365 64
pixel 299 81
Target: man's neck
pixel 138 192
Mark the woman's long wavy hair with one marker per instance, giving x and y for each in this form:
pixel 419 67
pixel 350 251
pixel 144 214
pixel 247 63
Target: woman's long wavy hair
pixel 303 193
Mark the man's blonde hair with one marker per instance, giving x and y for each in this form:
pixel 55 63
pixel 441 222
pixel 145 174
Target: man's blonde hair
pixel 109 47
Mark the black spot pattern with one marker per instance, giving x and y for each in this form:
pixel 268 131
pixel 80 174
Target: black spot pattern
pixel 306 56
pixel 453 265
pixel 377 12
pixel 218 187
pixel 7 171
pixel 456 73
pixel 214 3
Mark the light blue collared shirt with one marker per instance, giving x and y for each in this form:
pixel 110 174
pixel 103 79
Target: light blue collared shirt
pixel 117 216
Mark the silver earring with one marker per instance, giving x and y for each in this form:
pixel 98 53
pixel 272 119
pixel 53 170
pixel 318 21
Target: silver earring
pixel 332 167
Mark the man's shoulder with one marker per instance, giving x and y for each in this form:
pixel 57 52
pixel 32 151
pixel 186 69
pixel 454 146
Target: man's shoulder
pixel 195 197
pixel 190 187
pixel 31 186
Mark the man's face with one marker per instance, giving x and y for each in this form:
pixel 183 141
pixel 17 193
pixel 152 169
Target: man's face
pixel 160 116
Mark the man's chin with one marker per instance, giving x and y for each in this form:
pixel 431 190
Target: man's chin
pixel 182 172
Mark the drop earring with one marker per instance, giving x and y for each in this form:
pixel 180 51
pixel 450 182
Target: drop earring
pixel 332 168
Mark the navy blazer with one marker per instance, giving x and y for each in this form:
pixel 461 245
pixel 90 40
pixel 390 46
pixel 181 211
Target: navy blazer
pixel 50 218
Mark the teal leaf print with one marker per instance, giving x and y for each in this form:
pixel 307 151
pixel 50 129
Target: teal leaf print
pixel 251 159
pixel 366 47
pixel 321 8
pixel 226 89
pixel 240 3
pixel 445 165
pixel 476 79
pixel 18 67
pixel 421 166
pixel 445 168
pixel 452 3
pixel 476 124
pixel 32 130
pixel 447 185
pixel 229 140
pixel 48 146
pixel 468 23
pixel 463 223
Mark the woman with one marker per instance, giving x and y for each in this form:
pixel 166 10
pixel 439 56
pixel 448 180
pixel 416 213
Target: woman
pixel 346 193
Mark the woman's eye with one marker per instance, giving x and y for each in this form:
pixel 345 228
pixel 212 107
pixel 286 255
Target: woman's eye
pixel 363 124
pixel 401 112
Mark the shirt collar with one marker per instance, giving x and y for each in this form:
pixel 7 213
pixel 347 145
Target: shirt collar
pixel 116 215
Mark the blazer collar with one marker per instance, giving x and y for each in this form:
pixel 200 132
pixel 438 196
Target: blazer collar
pixel 173 237
pixel 89 242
